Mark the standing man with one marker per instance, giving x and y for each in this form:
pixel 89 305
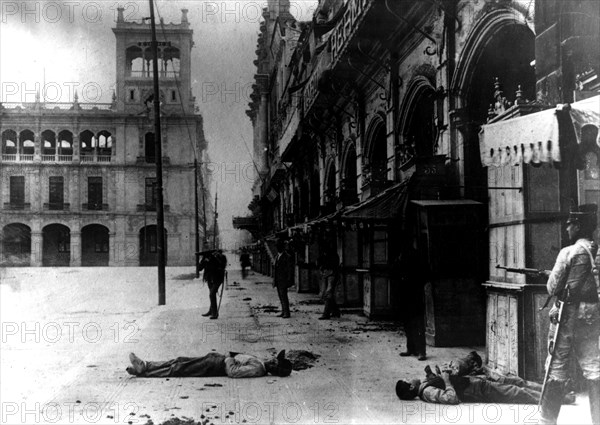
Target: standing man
pixel 573 280
pixel 283 277
pixel 412 301
pixel 213 263
pixel 244 262
pixel 329 263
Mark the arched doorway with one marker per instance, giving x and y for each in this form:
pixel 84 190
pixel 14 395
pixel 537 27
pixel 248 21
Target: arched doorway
pixel 16 245
pixel 56 246
pixel 149 245
pixel 315 195
pixel 329 193
pixel 375 175
pixel 500 50
pixel 420 132
pixel 94 245
pixel 349 188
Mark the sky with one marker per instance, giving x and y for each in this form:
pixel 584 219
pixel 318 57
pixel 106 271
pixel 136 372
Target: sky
pixel 64 46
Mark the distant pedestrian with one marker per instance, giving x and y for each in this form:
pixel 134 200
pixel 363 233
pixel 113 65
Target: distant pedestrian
pixel 214 264
pixel 574 280
pixel 412 301
pixel 329 264
pixel 283 277
pixel 245 263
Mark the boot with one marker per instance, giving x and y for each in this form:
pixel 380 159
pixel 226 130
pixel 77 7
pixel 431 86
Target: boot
pixel 552 402
pixel 594 396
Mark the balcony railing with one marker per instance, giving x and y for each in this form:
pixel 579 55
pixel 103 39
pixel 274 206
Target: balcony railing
pixel 17 206
pixel 56 206
pixel 9 157
pixel 48 158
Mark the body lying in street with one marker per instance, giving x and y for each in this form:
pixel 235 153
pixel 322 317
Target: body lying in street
pixel 444 388
pixel 233 365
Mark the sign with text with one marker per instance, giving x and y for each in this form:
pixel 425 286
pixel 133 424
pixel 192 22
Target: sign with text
pixel 354 13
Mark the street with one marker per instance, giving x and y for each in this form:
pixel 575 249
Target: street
pixel 67 333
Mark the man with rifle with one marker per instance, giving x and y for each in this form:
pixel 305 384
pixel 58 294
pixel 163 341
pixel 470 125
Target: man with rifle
pixel 213 263
pixel 575 318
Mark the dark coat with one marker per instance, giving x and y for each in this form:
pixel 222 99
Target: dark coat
pixel 283 271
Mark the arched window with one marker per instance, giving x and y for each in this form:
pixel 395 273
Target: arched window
pixel 86 140
pixel 9 142
pixel 26 140
pixel 48 142
pixel 171 62
pixel 134 61
pixel 65 144
pixel 104 143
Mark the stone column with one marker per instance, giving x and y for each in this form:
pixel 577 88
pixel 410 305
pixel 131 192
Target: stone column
pixel 75 249
pixel 112 257
pixel 36 248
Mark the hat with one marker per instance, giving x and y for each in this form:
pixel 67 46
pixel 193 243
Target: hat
pixel 584 215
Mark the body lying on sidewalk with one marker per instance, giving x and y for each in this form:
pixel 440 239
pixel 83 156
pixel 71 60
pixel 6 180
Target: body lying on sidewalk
pixel 444 388
pixel 234 365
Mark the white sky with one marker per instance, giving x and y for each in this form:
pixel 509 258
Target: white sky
pixel 70 44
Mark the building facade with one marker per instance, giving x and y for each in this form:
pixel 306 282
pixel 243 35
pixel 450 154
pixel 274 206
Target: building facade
pixel 367 124
pixel 78 181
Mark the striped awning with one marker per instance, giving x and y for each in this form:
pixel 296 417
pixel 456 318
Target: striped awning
pixel 533 138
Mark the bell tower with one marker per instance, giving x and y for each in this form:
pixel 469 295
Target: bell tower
pixel 134 64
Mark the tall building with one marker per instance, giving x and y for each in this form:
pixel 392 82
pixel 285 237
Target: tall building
pixel 368 124
pixel 78 181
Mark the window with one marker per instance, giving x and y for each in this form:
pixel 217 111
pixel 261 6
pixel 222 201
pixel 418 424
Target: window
pixel 94 193
pixel 17 191
pixel 149 151
pixel 56 193
pixel 151 194
pixel 132 95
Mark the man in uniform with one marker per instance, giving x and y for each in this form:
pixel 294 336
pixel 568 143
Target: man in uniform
pixel 573 279
pixel 213 263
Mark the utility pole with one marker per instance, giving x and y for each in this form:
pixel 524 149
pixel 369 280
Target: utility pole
pixel 160 219
pixel 196 215
pixel 215 222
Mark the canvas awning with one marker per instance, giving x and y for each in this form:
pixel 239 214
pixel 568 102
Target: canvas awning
pixel 533 138
pixel 387 205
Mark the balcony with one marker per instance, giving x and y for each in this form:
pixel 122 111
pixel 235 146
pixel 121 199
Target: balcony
pixel 94 207
pixel 57 206
pixel 21 206
pixel 90 157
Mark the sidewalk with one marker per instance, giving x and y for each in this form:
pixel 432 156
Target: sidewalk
pixel 83 379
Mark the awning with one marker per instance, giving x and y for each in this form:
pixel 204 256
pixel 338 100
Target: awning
pixel 529 139
pixel 534 138
pixel 586 112
pixel 387 205
pixel 319 221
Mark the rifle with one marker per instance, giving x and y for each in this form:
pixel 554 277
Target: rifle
pixel 529 272
pixel 560 303
pixel 526 271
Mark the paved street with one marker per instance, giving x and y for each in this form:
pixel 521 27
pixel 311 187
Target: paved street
pixel 67 333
